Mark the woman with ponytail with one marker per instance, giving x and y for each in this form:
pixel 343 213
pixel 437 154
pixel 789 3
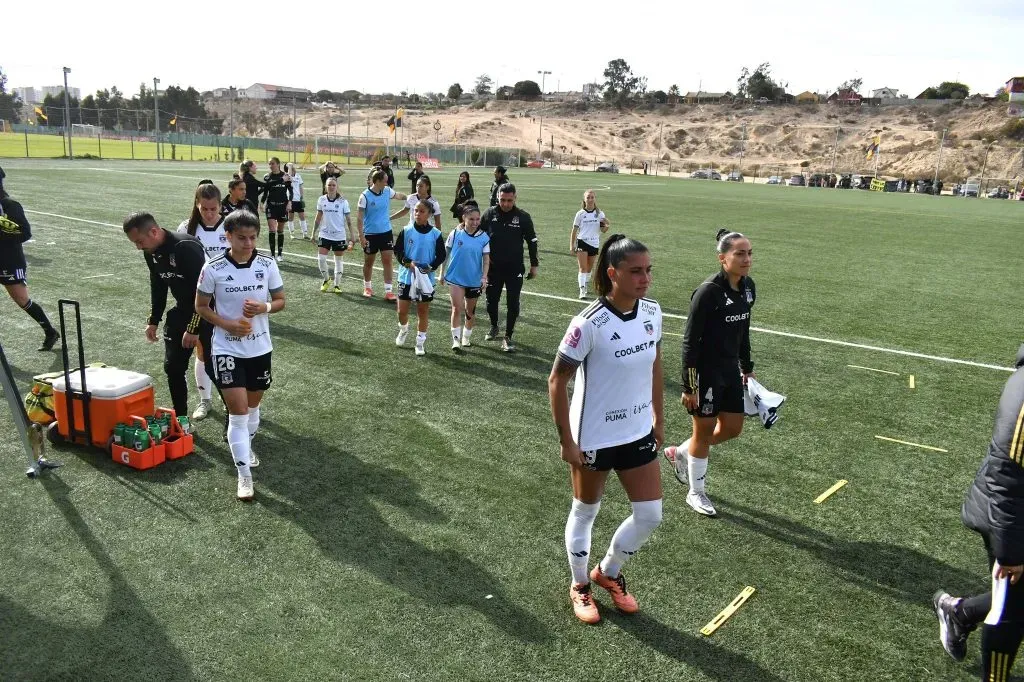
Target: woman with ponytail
pixel 716 363
pixel 613 348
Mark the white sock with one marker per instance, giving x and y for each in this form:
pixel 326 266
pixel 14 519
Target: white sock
pixel 304 226
pixel 254 421
pixel 581 279
pixel 367 285
pixel 631 536
pixel 387 287
pixel 290 227
pixel 456 334
pixel 238 441
pixel 203 383
pixel 586 278
pixel 339 269
pixel 696 468
pixel 403 327
pixel 467 332
pixel 421 338
pixel 577 538
pixel 321 262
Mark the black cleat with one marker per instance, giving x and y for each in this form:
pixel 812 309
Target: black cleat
pixel 492 334
pixel 52 337
pixel 952 634
pixel 507 346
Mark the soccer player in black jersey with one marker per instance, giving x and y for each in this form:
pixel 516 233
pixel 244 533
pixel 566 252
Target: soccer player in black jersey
pixel 994 508
pixel 253 187
pixel 716 363
pixel 329 170
pixel 175 260
pixel 277 195
pixel 14 231
pixel 236 200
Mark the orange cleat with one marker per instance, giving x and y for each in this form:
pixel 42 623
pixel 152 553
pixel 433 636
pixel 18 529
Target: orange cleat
pixel 583 603
pixel 390 296
pixel 616 587
pixel 367 292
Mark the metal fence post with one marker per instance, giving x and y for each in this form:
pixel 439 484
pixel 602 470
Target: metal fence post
pixel 26 144
pixel 131 141
pixel 99 145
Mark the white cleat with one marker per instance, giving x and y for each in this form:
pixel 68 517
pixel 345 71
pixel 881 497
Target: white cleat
pixel 403 334
pixel 583 294
pixel 245 488
pixel 254 461
pixel 202 410
pixel 676 456
pixel 700 503
pixel 420 350
pixel 466 343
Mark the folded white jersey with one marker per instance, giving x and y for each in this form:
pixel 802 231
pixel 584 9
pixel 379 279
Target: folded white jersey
pixel 421 284
pixel 758 401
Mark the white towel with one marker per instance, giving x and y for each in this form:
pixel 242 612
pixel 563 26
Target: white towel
pixel 420 284
pixel 758 401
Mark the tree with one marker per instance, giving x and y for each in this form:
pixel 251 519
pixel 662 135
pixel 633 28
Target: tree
pixel 757 84
pixel 673 94
pixel 852 85
pixel 350 96
pixel 656 97
pixel 504 92
pixel 952 90
pixel 253 122
pixel 454 92
pixel 323 96
pixel 621 86
pixel 1002 95
pixel 483 84
pixel 53 107
pixel 10 104
pixel 527 90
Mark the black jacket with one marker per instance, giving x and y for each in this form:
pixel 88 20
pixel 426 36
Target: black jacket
pixel 253 188
pixel 414 177
pixel 387 171
pixel 174 266
pixel 995 502
pixel 494 189
pixel 462 195
pixel 718 328
pixel 508 231
pixel 14 231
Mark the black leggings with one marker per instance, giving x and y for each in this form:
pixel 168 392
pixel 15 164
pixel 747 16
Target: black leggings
pixel 509 276
pixel 176 359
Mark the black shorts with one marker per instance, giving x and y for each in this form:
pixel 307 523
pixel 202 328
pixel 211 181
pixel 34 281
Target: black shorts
pixel 252 374
pixel 299 206
pixel 403 294
pixel 10 276
pixel 332 245
pixel 471 292
pixel 719 389
pixel 622 457
pixel 277 211
pixel 385 241
pixel 582 246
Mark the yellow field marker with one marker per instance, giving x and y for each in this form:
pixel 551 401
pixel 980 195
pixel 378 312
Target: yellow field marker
pixel 828 493
pixel 912 381
pixel 718 620
pixel 916 445
pixel 872 369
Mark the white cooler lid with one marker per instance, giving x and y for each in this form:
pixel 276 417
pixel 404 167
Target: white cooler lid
pixel 106 382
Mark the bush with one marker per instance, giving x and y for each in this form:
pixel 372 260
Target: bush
pixel 805 164
pixel 477 105
pixel 1013 129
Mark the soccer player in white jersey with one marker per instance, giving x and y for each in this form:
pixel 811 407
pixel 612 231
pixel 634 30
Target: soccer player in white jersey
pixel 469 257
pixel 248 288
pixel 333 222
pixel 585 238
pixel 205 224
pixel 423 189
pixel 613 348
pixel 375 234
pixel 298 205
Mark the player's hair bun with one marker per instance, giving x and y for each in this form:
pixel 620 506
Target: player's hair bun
pixel 721 233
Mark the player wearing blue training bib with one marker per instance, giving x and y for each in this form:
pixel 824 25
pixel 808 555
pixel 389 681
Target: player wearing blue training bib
pixel 375 230
pixel 469 250
pixel 420 250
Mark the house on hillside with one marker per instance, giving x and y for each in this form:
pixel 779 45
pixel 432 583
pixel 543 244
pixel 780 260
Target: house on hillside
pixel 280 93
pixel 885 93
pixel 702 97
pixel 807 97
pixel 847 97
pixel 1015 89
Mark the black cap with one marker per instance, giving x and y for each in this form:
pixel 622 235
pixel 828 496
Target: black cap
pixel 501 169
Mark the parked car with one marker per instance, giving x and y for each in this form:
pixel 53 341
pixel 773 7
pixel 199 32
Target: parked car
pixel 821 180
pixel 549 164
pixel 796 181
pixel 926 187
pixel 537 163
pixel 970 189
pixel 774 180
pixel 844 181
pixel 734 176
pixel 999 193
pixel 860 181
pixel 607 167
pixel 763 100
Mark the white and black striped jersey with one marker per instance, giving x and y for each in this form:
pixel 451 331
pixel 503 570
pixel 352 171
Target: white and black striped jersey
pixel 297 183
pixel 231 283
pixel 614 354
pixel 588 226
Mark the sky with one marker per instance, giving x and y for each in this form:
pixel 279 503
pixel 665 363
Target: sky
pixel 421 47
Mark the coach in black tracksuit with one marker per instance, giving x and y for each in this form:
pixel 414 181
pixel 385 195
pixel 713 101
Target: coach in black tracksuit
pixel 174 260
pixel 994 507
pixel 508 227
pixel 500 178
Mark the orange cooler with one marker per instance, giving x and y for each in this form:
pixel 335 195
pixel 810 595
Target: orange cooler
pixel 116 395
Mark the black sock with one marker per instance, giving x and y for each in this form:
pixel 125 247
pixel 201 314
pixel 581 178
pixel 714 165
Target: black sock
pixel 972 610
pixel 273 242
pixel 998 649
pixel 35 311
pixel 280 242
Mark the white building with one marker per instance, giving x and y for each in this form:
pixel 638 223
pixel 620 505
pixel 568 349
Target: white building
pixel 276 92
pixel 57 90
pixel 885 93
pixel 28 95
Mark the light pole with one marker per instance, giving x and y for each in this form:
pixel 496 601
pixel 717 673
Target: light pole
pixel 156 117
pixel 231 124
pixel 542 76
pixel 540 132
pixel 938 162
pixel 67 112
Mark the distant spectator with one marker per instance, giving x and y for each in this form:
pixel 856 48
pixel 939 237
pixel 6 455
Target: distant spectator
pixel 415 174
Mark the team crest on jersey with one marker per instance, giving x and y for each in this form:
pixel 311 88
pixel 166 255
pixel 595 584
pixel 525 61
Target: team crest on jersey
pixel 572 339
pixel 649 327
pixel 259 275
pixel 750 295
pixel 171 261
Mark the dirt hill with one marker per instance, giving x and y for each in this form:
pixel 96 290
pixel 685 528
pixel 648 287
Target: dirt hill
pixel 782 138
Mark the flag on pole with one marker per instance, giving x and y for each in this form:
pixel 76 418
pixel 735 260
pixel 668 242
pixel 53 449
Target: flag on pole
pixel 872 149
pixel 398 117
pixel 40 114
pixel 391 124
pixel 173 121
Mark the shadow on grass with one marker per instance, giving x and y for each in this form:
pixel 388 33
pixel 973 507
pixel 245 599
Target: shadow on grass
pixel 340 511
pixel 694 652
pixel 899 572
pixel 510 370
pixel 128 644
pixel 305 337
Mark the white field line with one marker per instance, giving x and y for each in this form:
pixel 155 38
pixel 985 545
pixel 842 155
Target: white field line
pixel 761 330
pixel 872 369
